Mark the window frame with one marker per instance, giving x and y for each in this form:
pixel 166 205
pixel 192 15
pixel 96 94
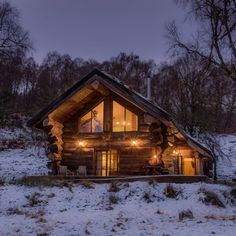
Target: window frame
pixel 126 108
pixel 90 111
pixel 110 107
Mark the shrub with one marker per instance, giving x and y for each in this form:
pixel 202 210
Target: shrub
pixel 113 199
pixel 171 192
pixel 34 200
pixel 211 198
pixel 114 187
pixel 2 182
pixel 147 197
pixel 14 211
pixel 233 192
pixel 159 212
pixel 87 184
pixel 186 214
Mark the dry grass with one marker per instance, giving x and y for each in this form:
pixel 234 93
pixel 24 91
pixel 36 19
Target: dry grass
pixel 147 197
pixel 113 199
pixel 211 198
pixel 233 192
pixel 185 214
pixel 114 187
pixel 2 182
pixel 171 192
pixel 34 200
pixel 87 184
pixel 220 217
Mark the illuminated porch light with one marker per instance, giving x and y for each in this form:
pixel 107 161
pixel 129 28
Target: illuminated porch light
pixel 134 142
pixel 81 143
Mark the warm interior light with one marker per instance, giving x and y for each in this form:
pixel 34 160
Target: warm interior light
pixel 81 143
pixel 134 142
pixel 170 144
pixel 155 156
pixel 175 152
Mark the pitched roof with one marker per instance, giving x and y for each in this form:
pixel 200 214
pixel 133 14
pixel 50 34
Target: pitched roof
pixel 115 85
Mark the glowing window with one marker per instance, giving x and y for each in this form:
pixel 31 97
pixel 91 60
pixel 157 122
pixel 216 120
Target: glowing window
pixel 123 119
pixel 93 120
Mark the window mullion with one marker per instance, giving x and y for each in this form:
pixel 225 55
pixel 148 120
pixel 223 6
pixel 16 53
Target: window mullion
pixel 125 120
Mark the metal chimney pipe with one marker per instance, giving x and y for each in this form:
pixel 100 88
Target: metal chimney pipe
pixel 149 94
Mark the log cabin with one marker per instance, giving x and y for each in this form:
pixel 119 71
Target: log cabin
pixel 107 128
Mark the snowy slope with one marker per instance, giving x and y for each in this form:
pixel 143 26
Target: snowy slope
pixel 16 163
pixel 137 208
pixel 21 154
pixel 141 209
pixel 226 167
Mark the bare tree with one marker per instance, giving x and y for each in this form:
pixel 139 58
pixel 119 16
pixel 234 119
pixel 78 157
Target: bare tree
pixel 216 40
pixel 13 38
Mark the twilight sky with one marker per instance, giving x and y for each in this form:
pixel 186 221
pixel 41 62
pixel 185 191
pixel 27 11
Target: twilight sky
pixel 99 29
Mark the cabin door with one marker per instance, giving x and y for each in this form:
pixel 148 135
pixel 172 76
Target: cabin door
pixel 188 166
pixel 107 162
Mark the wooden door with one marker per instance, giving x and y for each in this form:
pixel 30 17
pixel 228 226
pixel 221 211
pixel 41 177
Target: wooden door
pixel 188 166
pixel 107 162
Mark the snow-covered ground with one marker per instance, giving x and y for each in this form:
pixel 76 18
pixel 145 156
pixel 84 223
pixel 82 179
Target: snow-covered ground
pixel 138 208
pixel 226 167
pixel 17 163
pixel 21 154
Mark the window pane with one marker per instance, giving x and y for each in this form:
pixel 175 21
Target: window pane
pixel 118 117
pixel 97 118
pixel 131 121
pixel 85 123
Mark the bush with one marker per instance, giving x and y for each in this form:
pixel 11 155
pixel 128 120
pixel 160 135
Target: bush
pixel 2 182
pixel 211 198
pixel 87 184
pixel 233 192
pixel 146 197
pixel 186 214
pixel 171 192
pixel 113 199
pixel 114 187
pixel 14 211
pixel 34 200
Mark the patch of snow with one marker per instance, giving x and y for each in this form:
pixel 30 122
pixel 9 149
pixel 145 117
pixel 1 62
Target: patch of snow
pixel 16 163
pixel 226 166
pixel 81 211
pixel 11 133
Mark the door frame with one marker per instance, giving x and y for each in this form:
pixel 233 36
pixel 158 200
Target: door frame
pixel 108 157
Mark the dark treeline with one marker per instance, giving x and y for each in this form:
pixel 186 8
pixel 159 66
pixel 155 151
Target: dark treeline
pixel 197 98
pixel 200 96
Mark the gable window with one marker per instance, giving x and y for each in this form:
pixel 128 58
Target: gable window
pixel 123 119
pixel 93 120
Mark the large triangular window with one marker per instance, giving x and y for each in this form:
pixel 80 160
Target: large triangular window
pixel 93 120
pixel 123 119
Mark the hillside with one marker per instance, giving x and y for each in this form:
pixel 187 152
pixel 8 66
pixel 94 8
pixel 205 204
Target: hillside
pixel 139 208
